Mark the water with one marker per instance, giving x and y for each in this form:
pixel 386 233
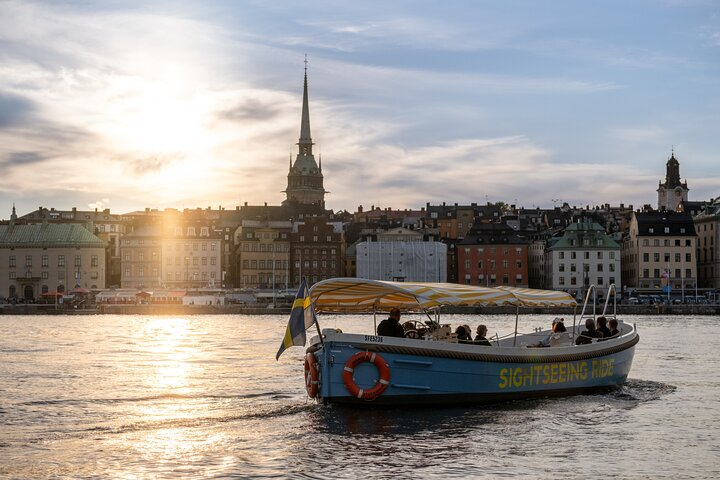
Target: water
pixel 133 397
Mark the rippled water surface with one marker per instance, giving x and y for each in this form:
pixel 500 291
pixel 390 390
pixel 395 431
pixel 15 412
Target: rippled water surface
pixel 202 396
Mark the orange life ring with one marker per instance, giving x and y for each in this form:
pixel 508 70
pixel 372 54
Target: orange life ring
pixel 380 385
pixel 311 375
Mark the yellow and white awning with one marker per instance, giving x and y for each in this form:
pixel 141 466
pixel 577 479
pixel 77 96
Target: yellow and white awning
pixel 362 295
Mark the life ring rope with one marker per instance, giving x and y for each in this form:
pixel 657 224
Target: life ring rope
pixel 379 387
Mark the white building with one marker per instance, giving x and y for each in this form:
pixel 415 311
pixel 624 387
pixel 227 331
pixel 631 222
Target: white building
pixel 408 261
pixel 584 255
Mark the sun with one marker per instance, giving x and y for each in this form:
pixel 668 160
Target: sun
pixel 159 119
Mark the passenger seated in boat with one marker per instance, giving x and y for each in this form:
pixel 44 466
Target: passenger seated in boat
pixel 390 327
pixel 561 336
pixel 602 327
pixel 588 334
pixel 556 334
pixel 463 334
pixel 613 326
pixel 480 337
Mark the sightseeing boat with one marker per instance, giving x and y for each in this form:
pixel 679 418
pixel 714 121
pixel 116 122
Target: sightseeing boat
pixel 429 365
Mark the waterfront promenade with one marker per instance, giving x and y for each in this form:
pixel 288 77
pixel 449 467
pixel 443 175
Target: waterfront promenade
pixel 150 309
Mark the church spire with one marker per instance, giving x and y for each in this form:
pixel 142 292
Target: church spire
pixel 305 144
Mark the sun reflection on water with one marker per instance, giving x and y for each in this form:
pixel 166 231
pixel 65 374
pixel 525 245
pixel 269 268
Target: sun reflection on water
pixel 171 351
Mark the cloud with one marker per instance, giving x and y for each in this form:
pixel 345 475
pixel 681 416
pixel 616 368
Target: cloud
pixel 23 158
pixel 14 109
pixel 650 134
pixel 151 163
pixel 253 109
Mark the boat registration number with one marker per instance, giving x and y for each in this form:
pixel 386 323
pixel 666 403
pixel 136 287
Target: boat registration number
pixel 373 338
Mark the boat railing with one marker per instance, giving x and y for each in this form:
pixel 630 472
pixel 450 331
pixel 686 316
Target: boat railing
pixel 592 293
pixel 612 291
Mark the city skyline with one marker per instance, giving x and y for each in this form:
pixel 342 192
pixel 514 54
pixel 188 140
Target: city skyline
pixel 177 105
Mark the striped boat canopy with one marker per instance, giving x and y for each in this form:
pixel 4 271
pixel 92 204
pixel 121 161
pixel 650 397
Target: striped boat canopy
pixel 362 295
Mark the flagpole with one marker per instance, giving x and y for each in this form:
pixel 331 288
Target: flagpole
pixel 317 325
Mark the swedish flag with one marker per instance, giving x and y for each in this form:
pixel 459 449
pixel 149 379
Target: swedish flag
pixel 302 317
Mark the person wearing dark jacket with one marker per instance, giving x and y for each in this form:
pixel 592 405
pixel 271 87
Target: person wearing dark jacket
pixel 613 327
pixel 390 327
pixel 588 334
pixel 602 327
pixel 480 337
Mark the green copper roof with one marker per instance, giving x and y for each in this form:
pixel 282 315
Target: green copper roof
pixel 48 235
pixel 585 235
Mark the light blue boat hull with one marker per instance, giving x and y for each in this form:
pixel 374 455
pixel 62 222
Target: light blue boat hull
pixel 425 372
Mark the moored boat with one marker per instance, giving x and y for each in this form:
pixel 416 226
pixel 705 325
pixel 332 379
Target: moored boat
pixel 430 366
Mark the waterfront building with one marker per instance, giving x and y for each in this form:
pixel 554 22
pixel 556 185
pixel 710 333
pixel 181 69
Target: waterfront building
pixel 401 255
pixel 317 249
pixel 191 252
pixel 659 253
pixel 707 226
pixel 493 254
pixel 263 254
pixel 141 253
pixel 672 192
pixel 583 255
pixel 107 226
pixel 43 259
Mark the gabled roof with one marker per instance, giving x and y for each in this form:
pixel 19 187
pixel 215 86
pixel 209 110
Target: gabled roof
pixel 584 235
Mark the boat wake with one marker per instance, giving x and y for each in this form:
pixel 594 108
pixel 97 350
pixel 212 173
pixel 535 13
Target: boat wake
pixel 640 391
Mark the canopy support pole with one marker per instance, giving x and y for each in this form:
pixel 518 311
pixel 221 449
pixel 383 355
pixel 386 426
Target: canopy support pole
pixel 517 317
pixel 317 325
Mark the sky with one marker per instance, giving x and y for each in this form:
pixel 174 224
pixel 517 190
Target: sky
pixel 131 104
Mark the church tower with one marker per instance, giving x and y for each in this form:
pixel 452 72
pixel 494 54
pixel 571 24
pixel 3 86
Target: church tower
pixel 305 178
pixel 672 192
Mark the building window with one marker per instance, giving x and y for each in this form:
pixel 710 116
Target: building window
pixel 61 260
pixel 44 260
pixel 28 260
pixel 94 261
